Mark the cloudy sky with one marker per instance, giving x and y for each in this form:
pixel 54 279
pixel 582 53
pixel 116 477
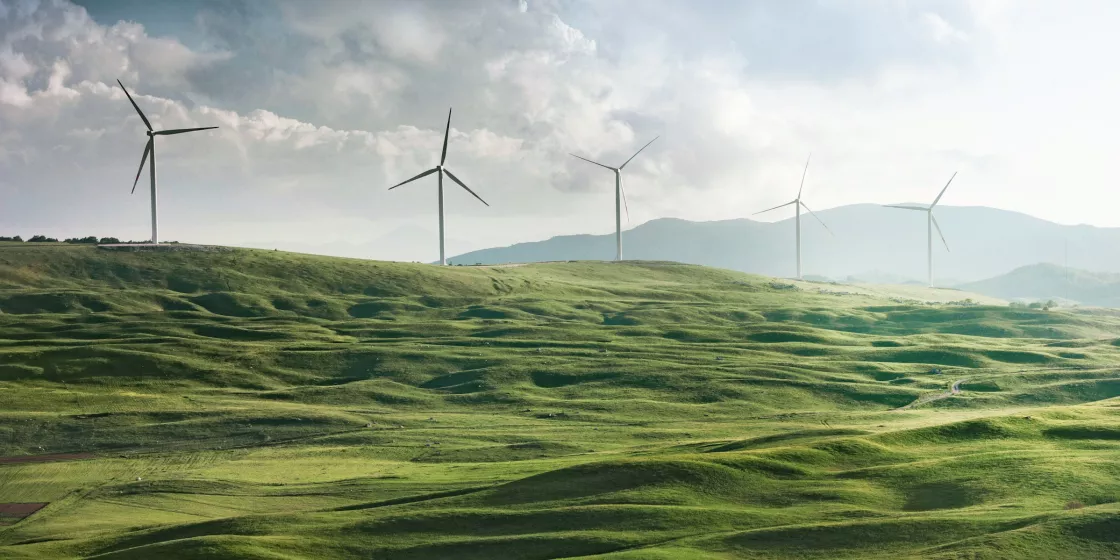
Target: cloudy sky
pixel 323 105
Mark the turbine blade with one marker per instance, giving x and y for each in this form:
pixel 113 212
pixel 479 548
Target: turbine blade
pixel 456 179
pixel 638 152
pixel 446 133
pixel 622 189
pixel 135 106
pixel 803 173
pixel 938 228
pixel 422 175
pixel 595 162
pixel 905 207
pixel 943 190
pixel 774 208
pixel 181 130
pixel 819 219
pixel 143 159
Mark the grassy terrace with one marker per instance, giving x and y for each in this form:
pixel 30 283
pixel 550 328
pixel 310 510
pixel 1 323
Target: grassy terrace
pixel 270 405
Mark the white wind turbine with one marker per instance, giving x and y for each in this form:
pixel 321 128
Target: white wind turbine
pixel 150 149
pixel 931 223
pixel 619 197
pixel 442 171
pixel 797 203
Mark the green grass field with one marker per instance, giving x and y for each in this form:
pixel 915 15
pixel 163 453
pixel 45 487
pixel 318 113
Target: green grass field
pixel 258 404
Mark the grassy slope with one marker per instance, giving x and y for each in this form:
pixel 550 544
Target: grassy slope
pixel 270 405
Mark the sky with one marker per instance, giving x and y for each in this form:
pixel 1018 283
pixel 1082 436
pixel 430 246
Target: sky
pixel 323 105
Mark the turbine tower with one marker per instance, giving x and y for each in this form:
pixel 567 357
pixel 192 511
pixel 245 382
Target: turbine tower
pixel 931 223
pixel 150 149
pixel 442 171
pixel 619 197
pixel 798 204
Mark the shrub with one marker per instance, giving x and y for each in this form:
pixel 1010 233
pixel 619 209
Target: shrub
pixel 42 239
pixel 17 239
pixel 88 239
pixel 108 240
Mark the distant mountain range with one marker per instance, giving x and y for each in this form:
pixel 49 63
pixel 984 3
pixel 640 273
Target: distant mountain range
pixel 871 243
pixel 1041 282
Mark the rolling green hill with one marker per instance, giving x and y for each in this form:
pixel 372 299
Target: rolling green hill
pixel 258 404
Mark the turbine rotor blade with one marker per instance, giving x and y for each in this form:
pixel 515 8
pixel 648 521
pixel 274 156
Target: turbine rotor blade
pixel 938 228
pixel 819 219
pixel 424 174
pixel 906 207
pixel 446 133
pixel 943 190
pixel 180 130
pixel 143 159
pixel 774 208
pixel 456 179
pixel 638 152
pixel 595 162
pixel 803 173
pixel 135 106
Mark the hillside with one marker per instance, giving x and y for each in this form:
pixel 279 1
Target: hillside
pixel 259 404
pixel 1042 282
pixel 870 241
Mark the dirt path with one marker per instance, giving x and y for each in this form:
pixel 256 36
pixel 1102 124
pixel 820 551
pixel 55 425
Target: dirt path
pixel 954 389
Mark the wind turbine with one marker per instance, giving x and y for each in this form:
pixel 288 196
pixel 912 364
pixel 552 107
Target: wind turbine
pixel 931 223
pixel 150 149
pixel 797 203
pixel 619 197
pixel 442 171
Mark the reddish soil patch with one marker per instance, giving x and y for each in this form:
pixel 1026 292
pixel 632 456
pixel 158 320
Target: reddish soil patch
pixel 20 510
pixel 45 458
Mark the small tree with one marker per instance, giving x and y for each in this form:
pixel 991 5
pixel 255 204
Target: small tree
pixel 108 241
pixel 16 239
pixel 1035 305
pixel 42 239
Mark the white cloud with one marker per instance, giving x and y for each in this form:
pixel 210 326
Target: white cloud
pixel 943 31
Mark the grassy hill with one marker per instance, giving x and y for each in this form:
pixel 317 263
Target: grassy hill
pixel 258 404
pixel 1044 281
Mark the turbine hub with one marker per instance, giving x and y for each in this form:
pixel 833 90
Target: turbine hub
pixel 149 133
pixel 439 167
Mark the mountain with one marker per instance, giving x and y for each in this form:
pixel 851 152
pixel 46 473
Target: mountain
pixel 869 241
pixel 1048 281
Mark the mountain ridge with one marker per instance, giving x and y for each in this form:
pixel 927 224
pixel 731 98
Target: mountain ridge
pixel 984 242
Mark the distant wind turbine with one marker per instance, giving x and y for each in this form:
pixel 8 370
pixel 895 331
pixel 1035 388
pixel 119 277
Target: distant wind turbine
pixel 442 171
pixel 619 197
pixel 797 203
pixel 150 149
pixel 931 223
